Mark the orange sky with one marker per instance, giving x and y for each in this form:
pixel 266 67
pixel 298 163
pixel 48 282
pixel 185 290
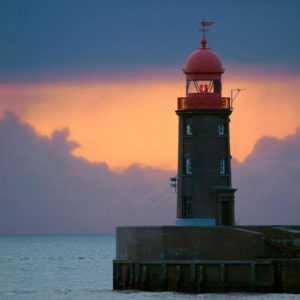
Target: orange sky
pixel 133 121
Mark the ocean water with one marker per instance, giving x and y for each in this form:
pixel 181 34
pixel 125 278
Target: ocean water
pixel 75 267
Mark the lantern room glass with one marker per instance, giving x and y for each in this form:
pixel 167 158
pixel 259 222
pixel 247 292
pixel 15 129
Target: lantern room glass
pixel 203 87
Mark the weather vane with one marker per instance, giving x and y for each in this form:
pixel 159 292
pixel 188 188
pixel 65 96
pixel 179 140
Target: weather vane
pixel 204 25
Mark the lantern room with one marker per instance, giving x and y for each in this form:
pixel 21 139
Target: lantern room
pixel 203 71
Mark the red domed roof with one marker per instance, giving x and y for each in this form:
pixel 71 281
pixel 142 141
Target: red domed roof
pixel 203 60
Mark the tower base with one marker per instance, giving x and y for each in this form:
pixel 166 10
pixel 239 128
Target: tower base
pixel 195 222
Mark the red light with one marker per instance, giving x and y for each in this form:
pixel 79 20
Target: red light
pixel 203 88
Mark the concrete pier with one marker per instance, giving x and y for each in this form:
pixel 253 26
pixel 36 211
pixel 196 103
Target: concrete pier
pixel 212 259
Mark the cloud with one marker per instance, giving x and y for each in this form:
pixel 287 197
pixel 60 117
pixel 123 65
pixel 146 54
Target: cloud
pixel 268 182
pixel 45 189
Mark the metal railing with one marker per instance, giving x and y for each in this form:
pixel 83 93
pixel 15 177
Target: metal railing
pixel 200 102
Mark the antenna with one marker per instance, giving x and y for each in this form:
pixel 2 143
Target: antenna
pixel 234 93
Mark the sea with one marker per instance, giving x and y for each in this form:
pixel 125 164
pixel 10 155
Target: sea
pixel 76 267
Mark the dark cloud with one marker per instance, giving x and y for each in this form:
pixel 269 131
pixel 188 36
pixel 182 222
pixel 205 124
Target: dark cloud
pixel 63 37
pixel 45 189
pixel 268 182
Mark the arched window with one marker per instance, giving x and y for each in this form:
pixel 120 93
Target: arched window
pixel 188 129
pixel 222 167
pixel 188 166
pixel 187 207
pixel 221 129
pixel 188 126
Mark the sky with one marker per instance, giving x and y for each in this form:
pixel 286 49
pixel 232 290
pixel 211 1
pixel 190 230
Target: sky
pixel 101 79
pixel 71 38
pixel 110 71
pixel 46 189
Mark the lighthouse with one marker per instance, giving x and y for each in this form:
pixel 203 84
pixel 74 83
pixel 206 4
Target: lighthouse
pixel 206 251
pixel 205 196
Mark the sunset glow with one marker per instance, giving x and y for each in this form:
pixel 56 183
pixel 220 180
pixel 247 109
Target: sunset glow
pixel 123 122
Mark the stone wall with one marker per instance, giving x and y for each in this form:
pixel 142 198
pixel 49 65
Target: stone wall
pixel 172 242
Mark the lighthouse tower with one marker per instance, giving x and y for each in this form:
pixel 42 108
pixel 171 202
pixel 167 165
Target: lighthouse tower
pixel 205 196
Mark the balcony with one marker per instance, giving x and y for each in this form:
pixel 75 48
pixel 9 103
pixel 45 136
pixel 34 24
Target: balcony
pixel 209 101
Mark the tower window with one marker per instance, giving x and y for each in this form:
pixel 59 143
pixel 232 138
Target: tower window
pixel 187 207
pixel 222 167
pixel 188 129
pixel 188 166
pixel 221 129
pixel 188 126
